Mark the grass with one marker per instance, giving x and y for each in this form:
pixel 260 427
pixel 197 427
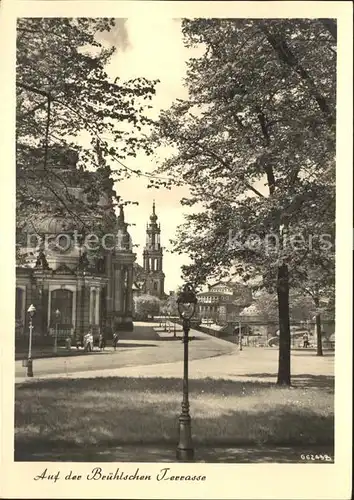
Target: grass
pixel 115 411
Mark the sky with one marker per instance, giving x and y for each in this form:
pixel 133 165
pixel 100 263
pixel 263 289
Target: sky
pixel 152 50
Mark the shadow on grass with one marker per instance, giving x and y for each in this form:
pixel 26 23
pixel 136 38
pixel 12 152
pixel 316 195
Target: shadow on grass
pixel 172 338
pixel 76 415
pixel 81 352
pixel 312 352
pixel 304 380
pixel 167 453
pixel 161 385
pixel 61 354
pixel 139 333
pixel 180 338
pixel 130 344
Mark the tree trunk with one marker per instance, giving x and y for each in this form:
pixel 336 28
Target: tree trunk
pixel 284 377
pixel 318 329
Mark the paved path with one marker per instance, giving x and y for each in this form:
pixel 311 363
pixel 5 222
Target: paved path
pixel 144 346
pixel 209 357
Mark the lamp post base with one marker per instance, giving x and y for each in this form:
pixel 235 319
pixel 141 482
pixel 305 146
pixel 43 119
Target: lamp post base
pixel 185 454
pixel 185 450
pixel 29 367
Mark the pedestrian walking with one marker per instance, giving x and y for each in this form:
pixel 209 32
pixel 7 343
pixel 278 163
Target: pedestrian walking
pixel 91 341
pixel 88 342
pixel 115 340
pixel 101 342
pixel 305 338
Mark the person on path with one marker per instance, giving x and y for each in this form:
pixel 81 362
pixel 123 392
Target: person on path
pixel 88 342
pixel 101 342
pixel 115 340
pixel 305 338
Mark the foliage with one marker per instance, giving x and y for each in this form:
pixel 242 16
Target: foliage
pixel 266 305
pixel 302 307
pixel 67 102
pixel 251 117
pixel 169 306
pixel 255 142
pixel 146 305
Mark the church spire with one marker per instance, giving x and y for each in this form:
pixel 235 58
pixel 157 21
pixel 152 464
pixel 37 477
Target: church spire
pixel 153 216
pixel 121 213
pixel 153 256
pixel 120 218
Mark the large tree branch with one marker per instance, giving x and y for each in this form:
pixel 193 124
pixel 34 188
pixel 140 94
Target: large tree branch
pixel 286 55
pixel 265 131
pixel 32 89
pixel 227 165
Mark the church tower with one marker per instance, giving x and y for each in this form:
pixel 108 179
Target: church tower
pixel 152 258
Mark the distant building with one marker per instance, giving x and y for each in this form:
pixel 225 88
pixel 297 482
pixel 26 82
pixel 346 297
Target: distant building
pixel 150 279
pixel 223 301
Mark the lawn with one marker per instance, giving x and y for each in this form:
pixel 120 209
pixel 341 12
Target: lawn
pixel 114 411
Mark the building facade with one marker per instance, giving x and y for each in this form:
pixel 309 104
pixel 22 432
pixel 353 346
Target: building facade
pixel 75 289
pixel 223 302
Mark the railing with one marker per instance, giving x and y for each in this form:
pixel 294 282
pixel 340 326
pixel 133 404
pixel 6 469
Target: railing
pixel 63 331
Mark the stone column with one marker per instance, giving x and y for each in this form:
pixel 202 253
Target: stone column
pixel 110 284
pixel 79 305
pixel 91 311
pixel 118 297
pixel 97 311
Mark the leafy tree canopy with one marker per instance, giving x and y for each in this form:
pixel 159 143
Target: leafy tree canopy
pixel 67 102
pixel 255 142
pixel 147 305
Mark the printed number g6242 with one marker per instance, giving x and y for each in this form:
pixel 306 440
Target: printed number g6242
pixel 315 458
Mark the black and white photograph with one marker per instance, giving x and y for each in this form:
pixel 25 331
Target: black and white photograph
pixel 175 281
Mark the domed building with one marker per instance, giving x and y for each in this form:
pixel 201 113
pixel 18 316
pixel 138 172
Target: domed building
pixel 76 268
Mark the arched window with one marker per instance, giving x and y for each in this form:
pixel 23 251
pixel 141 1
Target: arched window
pixel 19 304
pixel 61 300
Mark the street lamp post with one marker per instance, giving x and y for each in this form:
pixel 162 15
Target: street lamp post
pixel 31 310
pixel 57 316
pixel 240 335
pixel 186 301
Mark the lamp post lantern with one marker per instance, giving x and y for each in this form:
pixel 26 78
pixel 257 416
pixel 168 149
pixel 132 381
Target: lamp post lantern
pixel 57 317
pixel 31 311
pixel 186 302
